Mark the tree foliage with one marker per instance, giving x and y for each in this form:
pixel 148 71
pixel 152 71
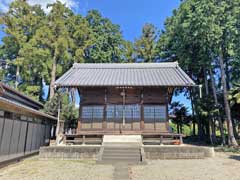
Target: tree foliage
pixel 201 37
pixel 145 46
pixel 40 47
pixel 68 111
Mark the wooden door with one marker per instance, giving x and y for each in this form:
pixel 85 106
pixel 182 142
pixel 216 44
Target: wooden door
pixel 132 117
pixel 149 122
pixel 114 117
pixel 155 118
pixel 115 114
pixel 92 117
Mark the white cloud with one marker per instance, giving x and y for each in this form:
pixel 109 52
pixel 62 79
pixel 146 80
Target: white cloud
pixel 4 4
pixel 44 3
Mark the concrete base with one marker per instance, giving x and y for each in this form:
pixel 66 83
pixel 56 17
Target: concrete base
pixel 69 152
pixel 122 140
pixel 177 152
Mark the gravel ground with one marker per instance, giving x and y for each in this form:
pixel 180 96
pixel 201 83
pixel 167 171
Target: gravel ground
pixel 34 169
pixel 221 167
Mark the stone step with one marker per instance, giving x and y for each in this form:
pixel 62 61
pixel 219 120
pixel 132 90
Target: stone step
pixel 117 160
pixel 122 144
pixel 121 148
pixel 121 158
pixel 114 148
pixel 122 138
pixel 121 155
pixel 122 161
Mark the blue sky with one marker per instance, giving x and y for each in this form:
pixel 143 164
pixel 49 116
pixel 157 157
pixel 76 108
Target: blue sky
pixel 131 15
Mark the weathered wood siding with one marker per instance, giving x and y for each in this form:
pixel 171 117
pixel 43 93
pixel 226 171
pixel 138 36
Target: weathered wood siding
pixel 154 96
pixel 92 96
pixel 21 135
pixel 111 101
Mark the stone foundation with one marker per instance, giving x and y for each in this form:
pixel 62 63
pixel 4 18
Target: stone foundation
pixel 69 152
pixel 177 152
pixel 147 152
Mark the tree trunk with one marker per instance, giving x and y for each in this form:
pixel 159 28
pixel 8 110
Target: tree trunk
pixel 53 77
pixel 193 114
pixel 73 98
pixel 231 139
pixel 206 82
pixel 235 128
pixel 227 75
pixel 178 129
pixel 213 128
pixel 217 106
pixel 17 76
pixel 208 119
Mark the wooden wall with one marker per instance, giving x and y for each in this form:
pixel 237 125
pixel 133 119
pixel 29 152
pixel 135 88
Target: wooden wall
pixel 112 96
pixel 21 135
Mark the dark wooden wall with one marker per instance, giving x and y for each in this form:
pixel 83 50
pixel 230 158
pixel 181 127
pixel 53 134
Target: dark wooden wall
pixel 112 96
pixel 21 135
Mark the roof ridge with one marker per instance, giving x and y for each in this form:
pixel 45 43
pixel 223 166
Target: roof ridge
pixel 125 65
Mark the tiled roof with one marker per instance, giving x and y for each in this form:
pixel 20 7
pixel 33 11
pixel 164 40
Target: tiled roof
pixel 10 93
pixel 128 74
pixel 25 108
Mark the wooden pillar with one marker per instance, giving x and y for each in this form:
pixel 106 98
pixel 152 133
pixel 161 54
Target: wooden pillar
pixel 181 139
pixel 83 140
pixel 166 102
pixel 142 113
pixel 161 140
pixel 79 125
pixel 104 123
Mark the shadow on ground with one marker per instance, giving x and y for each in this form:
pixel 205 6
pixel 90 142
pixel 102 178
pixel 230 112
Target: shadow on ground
pixel 235 157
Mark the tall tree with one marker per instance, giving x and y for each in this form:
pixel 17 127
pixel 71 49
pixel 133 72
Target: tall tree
pixel 52 41
pixel 82 36
pixel 200 35
pixel 107 42
pixel 129 52
pixel 20 24
pixel 58 39
pixel 145 46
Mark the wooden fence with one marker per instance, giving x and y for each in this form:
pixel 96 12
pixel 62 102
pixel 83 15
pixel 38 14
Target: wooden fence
pixel 21 136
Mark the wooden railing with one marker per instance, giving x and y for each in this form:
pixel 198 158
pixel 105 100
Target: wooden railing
pixel 84 138
pixel 162 138
pixel 153 138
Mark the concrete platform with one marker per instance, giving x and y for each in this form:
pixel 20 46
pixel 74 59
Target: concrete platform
pixel 124 153
pixel 70 152
pixel 122 138
pixel 177 152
